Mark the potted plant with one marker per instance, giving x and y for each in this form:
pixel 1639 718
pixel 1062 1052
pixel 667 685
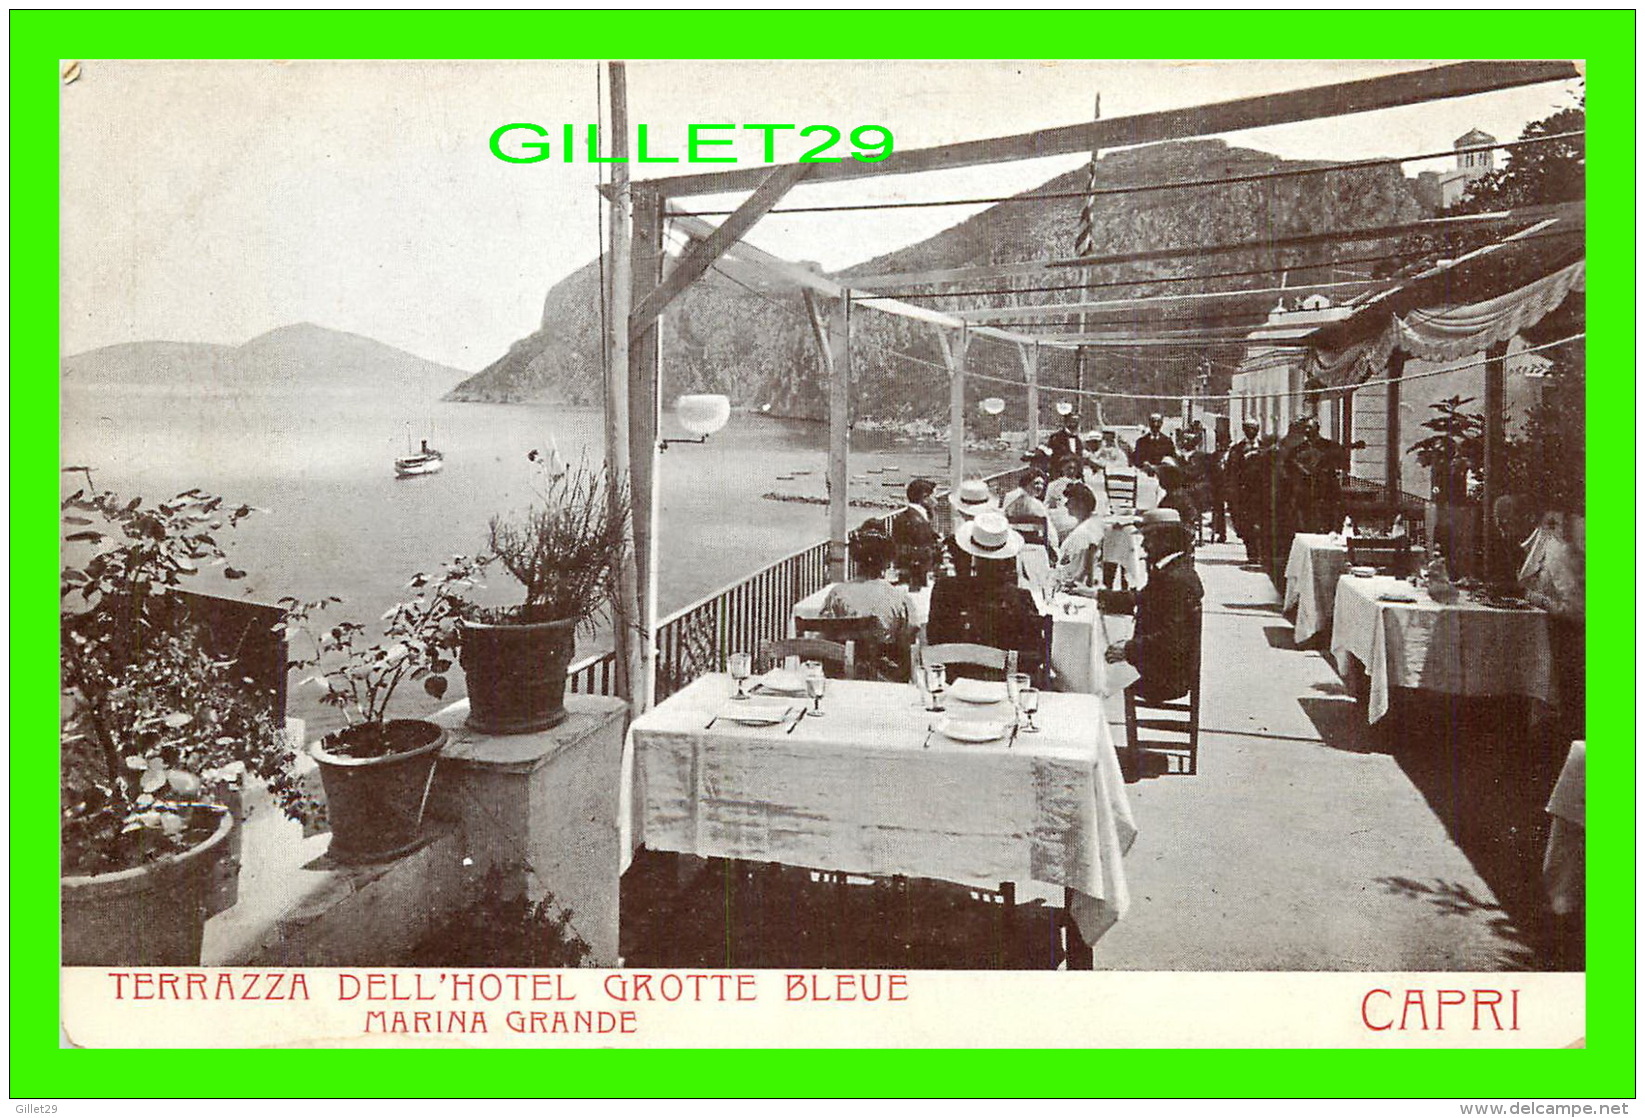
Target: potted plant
pixel 377 771
pixel 1454 455
pixel 153 728
pixel 564 552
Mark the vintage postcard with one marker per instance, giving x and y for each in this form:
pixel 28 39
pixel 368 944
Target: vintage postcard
pixel 970 554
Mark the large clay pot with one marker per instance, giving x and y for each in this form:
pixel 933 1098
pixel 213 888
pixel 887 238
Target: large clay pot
pixel 516 675
pixel 150 916
pixel 375 803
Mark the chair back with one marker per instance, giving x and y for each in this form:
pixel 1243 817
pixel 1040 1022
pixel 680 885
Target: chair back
pixel 980 656
pixel 1121 488
pixel 841 657
pixel 876 658
pixel 1392 555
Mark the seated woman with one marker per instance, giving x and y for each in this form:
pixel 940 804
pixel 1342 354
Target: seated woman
pixel 868 594
pixel 1027 502
pixel 987 606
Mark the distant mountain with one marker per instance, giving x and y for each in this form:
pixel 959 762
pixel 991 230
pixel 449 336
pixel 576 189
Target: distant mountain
pixel 726 334
pixel 303 357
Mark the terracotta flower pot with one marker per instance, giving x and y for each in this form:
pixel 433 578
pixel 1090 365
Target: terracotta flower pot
pixel 516 675
pixel 375 803
pixel 152 915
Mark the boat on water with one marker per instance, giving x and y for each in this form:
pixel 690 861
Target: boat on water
pixel 426 461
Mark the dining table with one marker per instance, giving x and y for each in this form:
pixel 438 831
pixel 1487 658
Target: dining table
pixel 1404 638
pixel 879 785
pixel 1317 562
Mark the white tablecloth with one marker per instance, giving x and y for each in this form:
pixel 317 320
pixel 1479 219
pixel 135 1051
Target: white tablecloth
pixel 1311 575
pixel 867 789
pixel 1458 649
pixel 1565 863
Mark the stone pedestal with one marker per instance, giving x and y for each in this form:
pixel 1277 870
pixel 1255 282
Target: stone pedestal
pixel 542 809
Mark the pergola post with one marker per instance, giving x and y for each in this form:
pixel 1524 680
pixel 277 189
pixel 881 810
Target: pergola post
pixel 1496 414
pixel 953 355
pixel 838 367
pixel 625 607
pixel 644 358
pixel 1392 470
pixel 1030 355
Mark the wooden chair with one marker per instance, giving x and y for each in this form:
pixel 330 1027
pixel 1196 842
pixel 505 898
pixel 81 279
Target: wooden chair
pixel 875 657
pixel 980 656
pixel 1122 491
pixel 1176 722
pixel 842 658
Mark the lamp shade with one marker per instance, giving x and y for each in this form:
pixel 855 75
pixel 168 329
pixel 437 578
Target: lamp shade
pixel 702 415
pixel 1064 407
pixel 991 406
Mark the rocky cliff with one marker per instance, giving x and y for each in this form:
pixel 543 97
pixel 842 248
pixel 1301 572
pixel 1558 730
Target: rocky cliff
pixel 726 334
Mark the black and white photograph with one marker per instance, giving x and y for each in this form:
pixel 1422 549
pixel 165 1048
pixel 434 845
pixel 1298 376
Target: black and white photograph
pixel 835 518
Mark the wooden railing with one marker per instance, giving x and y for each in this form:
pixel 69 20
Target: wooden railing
pixel 696 639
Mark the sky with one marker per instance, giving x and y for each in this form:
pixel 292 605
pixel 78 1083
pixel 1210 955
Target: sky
pixel 214 201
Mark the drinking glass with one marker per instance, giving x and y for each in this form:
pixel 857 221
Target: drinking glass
pixel 741 667
pixel 815 684
pixel 1014 684
pixel 936 682
pixel 1029 699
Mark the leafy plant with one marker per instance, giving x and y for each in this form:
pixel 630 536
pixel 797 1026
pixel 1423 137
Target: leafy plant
pixel 503 929
pixel 563 550
pixel 154 726
pixel 420 641
pixel 1454 450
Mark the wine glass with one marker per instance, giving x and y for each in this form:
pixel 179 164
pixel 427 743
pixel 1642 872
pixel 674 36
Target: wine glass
pixel 936 682
pixel 741 666
pixel 1028 698
pixel 815 684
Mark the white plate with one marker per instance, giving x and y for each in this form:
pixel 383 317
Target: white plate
pixel 977 691
pixel 782 682
pixel 1363 572
pixel 961 729
pixel 755 714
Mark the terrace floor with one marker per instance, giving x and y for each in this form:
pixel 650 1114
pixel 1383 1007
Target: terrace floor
pixel 1308 841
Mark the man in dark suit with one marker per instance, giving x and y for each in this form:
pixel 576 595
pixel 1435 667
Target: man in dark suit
pixel 914 536
pixel 1235 488
pixel 1154 446
pixel 1066 442
pixel 1164 647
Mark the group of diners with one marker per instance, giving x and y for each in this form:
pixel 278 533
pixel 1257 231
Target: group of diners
pixel 979 576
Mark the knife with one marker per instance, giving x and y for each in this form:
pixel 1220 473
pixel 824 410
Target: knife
pixel 1012 740
pixel 794 725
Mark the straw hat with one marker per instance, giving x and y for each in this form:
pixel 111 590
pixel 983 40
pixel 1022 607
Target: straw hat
pixel 1160 518
pixel 989 536
pixel 972 497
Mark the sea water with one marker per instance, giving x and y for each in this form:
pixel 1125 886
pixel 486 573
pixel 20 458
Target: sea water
pixel 338 521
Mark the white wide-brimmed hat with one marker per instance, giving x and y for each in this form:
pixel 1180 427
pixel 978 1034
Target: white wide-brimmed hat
pixel 989 536
pixel 973 497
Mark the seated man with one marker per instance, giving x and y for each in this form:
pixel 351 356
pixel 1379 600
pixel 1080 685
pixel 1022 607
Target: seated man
pixel 1111 455
pixel 1164 647
pixel 987 606
pixel 914 536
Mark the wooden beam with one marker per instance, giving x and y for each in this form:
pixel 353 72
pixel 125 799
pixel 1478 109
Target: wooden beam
pixel 644 360
pixel 1030 356
pixel 703 253
pixel 1053 310
pixel 1340 99
pixel 618 459
pixel 1393 452
pixel 1496 447
pixel 953 355
pixel 839 437
pixel 819 329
